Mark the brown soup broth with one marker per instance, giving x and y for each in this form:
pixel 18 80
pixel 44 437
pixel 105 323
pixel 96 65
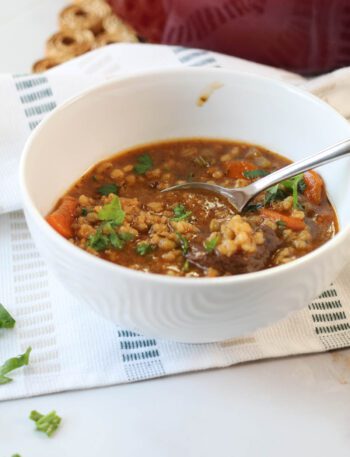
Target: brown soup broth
pixel 117 212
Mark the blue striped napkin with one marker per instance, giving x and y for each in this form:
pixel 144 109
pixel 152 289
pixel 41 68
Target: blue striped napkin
pixel 72 347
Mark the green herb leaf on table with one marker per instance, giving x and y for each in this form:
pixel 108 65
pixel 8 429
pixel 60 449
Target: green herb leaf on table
pixel 6 320
pixel 107 189
pixel 180 213
pixel 210 245
pixel 112 212
pixel 13 364
pixel 252 174
pixel 144 163
pixel 183 243
pixel 46 423
pixel 144 249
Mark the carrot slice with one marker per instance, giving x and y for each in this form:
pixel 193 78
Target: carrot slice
pixel 61 219
pixel 291 222
pixel 314 187
pixel 236 168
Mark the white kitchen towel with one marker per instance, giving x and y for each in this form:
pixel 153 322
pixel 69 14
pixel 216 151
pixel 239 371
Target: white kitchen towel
pixel 72 347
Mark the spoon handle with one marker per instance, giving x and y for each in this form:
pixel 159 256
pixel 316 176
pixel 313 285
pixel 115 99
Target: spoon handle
pixel 327 155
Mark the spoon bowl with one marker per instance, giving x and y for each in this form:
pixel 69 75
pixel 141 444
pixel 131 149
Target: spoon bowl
pixel 239 197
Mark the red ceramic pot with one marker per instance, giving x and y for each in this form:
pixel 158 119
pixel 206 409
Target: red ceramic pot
pixel 307 36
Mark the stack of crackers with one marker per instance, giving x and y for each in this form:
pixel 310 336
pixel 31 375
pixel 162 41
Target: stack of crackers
pixel 84 25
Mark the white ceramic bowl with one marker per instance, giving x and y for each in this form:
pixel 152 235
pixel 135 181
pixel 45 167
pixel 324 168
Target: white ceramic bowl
pixel 160 105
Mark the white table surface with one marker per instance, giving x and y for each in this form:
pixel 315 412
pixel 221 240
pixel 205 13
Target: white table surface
pixel 292 407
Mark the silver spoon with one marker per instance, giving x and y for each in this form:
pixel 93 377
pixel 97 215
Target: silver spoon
pixel 239 197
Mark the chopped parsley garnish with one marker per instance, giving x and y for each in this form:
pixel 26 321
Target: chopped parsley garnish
pixel 13 364
pixel 180 213
pixel 98 241
pixel 116 242
pixel 210 245
pixel 6 320
pixel 112 212
pixel 281 225
pixel 183 243
pixel 144 248
pixel 105 237
pixel 144 163
pixel 47 423
pixel 126 236
pixel 108 227
pixel 273 194
pixel 294 185
pixel 252 174
pixel 84 211
pixel 253 207
pixel 107 189
pixel 201 161
pixel 186 266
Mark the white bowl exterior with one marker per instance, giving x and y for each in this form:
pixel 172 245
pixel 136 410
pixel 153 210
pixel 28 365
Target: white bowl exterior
pixel 162 105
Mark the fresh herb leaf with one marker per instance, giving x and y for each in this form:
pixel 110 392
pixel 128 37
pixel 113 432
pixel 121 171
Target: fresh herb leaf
pixel 186 266
pixel 6 320
pixel 293 185
pixel 210 245
pixel 108 227
pixel 253 207
pixel 13 364
pixel 98 241
pixel 281 225
pixel 295 189
pixel 105 237
pixel 126 236
pixel 144 249
pixel 274 193
pixel 116 242
pixel 144 164
pixel 183 243
pixel 16 455
pixel 301 185
pixel 180 213
pixel 252 174
pixel 107 189
pixel 47 423
pixel 201 161
pixel 112 212
pixel 84 211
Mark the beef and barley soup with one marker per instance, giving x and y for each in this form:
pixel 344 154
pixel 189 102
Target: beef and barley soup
pixel 117 212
